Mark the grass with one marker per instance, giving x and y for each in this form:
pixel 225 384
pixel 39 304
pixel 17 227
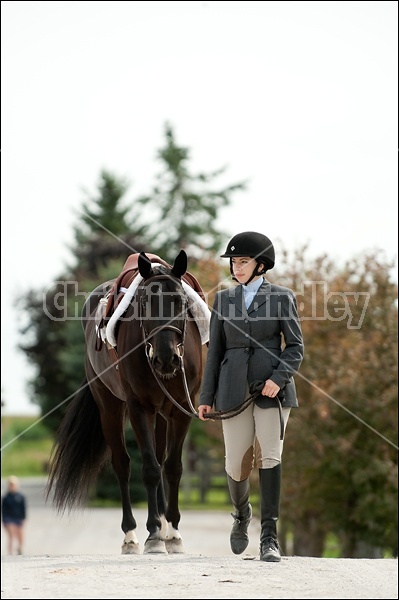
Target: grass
pixel 26 446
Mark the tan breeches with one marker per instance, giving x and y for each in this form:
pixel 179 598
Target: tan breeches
pixel 252 438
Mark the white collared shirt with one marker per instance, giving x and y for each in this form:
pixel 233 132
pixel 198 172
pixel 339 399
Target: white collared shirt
pixel 251 290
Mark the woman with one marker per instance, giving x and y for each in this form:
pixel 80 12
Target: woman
pixel 13 514
pixel 255 338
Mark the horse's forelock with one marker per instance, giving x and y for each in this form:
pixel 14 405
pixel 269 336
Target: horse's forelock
pixel 170 285
pixel 161 270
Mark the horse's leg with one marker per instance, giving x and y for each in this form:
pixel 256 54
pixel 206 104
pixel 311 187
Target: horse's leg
pixel 143 426
pixel 178 426
pixel 113 415
pixel 160 450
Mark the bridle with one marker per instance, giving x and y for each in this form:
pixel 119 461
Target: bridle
pixel 167 327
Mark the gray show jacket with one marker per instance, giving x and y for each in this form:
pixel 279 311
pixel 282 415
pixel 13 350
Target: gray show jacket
pixel 259 343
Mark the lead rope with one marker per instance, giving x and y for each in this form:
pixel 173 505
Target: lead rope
pixel 219 415
pixel 228 414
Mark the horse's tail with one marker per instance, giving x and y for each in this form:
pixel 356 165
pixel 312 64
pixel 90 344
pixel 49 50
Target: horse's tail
pixel 78 454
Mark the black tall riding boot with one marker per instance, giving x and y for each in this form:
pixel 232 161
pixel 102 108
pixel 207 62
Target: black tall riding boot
pixel 239 494
pixel 270 484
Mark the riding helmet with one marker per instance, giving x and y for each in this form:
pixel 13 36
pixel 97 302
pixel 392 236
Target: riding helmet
pixel 252 244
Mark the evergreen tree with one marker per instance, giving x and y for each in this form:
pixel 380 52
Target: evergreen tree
pixel 106 230
pixel 183 205
pixel 103 240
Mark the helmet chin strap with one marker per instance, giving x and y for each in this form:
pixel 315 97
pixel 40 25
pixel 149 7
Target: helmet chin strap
pixel 254 273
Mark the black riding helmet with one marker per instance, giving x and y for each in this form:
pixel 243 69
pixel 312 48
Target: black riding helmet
pixel 252 244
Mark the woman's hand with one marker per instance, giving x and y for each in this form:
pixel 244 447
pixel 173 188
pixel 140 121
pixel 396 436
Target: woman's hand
pixel 204 409
pixel 270 389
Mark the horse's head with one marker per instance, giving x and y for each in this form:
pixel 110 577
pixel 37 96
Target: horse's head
pixel 163 313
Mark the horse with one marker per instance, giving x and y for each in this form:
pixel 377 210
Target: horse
pixel 151 378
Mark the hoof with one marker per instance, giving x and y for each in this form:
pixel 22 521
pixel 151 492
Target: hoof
pixel 130 548
pixel 155 546
pixel 175 546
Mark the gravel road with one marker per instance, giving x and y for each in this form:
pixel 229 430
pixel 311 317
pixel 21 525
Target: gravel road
pixel 80 557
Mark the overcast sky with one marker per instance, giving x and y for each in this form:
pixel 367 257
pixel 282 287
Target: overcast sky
pixel 298 98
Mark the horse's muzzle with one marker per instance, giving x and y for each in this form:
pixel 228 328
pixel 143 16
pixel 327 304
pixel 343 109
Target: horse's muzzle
pixel 166 368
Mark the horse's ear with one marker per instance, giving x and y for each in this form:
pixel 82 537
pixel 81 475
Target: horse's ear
pixel 144 264
pixel 180 264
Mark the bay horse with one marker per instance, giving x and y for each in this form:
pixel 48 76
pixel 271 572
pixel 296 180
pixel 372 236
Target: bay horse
pixel 151 378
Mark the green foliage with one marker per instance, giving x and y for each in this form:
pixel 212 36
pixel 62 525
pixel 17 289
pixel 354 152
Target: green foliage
pixel 30 428
pixel 43 333
pixel 340 452
pixel 191 495
pixel 26 445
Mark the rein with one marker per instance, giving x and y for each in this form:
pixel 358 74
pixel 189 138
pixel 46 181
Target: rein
pixel 193 412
